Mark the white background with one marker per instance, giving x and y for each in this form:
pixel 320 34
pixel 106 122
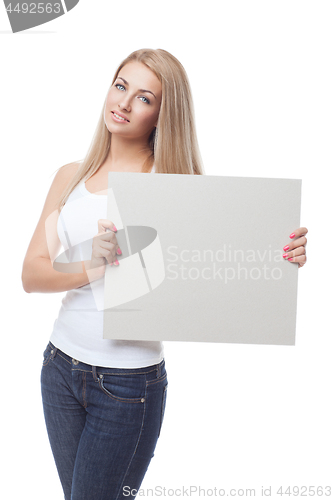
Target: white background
pixel 237 416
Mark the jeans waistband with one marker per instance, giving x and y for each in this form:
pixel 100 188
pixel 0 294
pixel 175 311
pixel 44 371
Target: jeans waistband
pixel 152 371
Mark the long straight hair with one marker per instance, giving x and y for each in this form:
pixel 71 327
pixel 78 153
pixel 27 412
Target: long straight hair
pixel 173 145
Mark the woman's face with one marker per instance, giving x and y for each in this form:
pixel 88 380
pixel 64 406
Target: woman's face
pixel 133 102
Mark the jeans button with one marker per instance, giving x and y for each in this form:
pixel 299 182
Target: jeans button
pixel 75 361
pixel 52 351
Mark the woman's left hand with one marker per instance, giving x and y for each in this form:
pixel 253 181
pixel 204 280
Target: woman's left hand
pixel 296 248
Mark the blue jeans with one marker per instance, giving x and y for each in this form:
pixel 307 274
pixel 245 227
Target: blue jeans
pixel 103 424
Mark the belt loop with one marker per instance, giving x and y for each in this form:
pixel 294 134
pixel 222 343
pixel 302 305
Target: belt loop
pixel 158 371
pixel 94 372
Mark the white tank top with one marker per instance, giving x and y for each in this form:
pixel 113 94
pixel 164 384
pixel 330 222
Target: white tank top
pixel 78 330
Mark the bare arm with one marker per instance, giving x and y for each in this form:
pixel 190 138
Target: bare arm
pixel 38 274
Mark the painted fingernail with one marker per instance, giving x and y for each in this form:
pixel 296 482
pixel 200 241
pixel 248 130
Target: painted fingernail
pixel 286 248
pixel 119 252
pixel 285 255
pixel 292 235
pixel 114 228
pixel 291 258
pixel 110 263
pixel 116 263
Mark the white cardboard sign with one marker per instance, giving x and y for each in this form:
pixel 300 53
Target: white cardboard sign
pixel 202 259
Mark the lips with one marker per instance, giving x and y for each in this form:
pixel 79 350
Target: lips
pixel 119 115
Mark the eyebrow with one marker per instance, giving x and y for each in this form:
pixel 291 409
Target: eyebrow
pixel 140 90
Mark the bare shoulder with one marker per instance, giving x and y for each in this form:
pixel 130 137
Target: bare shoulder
pixel 45 242
pixel 61 180
pixel 66 173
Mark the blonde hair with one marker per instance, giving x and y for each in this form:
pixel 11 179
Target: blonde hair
pixel 173 146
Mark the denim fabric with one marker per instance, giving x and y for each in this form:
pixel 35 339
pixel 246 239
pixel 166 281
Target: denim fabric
pixel 103 424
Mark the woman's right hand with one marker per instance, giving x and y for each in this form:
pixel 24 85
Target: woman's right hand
pixel 105 248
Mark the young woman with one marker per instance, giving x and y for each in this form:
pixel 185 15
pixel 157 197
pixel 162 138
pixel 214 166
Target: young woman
pixel 104 400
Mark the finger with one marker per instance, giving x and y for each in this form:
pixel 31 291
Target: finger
pixel 110 256
pixel 109 251
pixel 108 236
pixel 301 231
pixel 300 259
pixel 302 241
pixel 294 253
pixel 104 224
pixel 118 253
pixel 108 241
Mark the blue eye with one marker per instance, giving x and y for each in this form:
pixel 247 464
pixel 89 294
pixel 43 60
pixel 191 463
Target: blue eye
pixel 117 85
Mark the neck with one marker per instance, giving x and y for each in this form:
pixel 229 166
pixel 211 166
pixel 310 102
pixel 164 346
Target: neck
pixel 126 155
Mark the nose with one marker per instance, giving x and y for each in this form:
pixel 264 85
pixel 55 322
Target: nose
pixel 124 103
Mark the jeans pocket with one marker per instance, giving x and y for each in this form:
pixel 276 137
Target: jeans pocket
pixel 165 391
pixel 126 389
